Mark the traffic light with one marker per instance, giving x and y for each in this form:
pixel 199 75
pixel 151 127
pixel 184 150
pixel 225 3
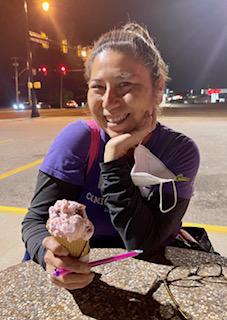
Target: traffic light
pixel 83 52
pixel 63 70
pixel 64 46
pixel 43 69
pixel 44 42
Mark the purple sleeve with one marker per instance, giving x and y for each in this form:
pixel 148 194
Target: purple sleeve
pixel 67 157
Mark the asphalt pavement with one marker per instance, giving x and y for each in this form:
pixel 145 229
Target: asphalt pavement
pixel 24 142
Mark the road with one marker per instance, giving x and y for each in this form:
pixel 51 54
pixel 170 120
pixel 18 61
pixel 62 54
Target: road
pixel 179 110
pixel 9 113
pixel 24 142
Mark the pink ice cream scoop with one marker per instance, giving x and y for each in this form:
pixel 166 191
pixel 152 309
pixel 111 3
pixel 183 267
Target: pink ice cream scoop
pixel 68 219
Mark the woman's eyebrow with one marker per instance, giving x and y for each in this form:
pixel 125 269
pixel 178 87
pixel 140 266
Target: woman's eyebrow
pixel 126 75
pixel 94 80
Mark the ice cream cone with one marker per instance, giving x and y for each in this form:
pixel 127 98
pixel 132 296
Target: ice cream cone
pixel 77 248
pixel 69 224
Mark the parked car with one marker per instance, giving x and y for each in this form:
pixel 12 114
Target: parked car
pixel 71 104
pixel 21 105
pixel 43 105
pixel 26 105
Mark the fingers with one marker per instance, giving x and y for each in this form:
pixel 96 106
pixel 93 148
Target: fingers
pixel 73 281
pixel 50 243
pixel 68 263
pixel 118 146
pixel 80 277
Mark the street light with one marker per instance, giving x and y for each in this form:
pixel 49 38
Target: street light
pixel 45 5
pixel 31 90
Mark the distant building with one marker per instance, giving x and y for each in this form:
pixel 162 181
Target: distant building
pixel 203 96
pixel 216 95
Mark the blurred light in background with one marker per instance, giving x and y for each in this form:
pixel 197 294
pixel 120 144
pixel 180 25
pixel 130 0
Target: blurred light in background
pixel 45 5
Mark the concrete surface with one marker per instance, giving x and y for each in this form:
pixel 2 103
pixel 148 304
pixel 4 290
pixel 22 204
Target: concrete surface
pixel 130 289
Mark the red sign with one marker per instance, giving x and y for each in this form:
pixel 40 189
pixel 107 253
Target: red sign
pixel 212 91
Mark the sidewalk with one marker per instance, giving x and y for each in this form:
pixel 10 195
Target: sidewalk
pixel 12 247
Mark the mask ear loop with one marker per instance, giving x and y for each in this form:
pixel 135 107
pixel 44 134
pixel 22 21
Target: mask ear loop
pixel 161 199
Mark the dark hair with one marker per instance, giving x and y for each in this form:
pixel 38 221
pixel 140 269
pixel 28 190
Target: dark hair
pixel 133 39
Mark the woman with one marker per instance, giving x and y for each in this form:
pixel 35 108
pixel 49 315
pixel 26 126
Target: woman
pixel 126 77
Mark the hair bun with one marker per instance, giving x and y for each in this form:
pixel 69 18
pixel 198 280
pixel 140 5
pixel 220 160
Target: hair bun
pixel 138 30
pixel 133 39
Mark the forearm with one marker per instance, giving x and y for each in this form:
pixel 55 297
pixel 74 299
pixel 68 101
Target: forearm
pixel 33 233
pixel 138 221
pixel 48 190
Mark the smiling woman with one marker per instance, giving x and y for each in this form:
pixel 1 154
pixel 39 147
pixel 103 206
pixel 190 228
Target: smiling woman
pixel 126 77
pixel 120 92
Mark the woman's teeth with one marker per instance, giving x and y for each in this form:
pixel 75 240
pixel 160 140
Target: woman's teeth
pixel 117 119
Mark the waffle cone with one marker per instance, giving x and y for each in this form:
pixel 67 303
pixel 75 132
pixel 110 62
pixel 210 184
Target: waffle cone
pixel 77 248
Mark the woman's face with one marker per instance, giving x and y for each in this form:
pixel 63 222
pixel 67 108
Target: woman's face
pixel 120 92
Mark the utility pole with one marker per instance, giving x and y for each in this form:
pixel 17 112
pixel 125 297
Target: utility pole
pixel 33 102
pixel 63 72
pixel 61 91
pixel 16 65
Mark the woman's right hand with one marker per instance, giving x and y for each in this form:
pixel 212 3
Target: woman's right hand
pixel 118 146
pixel 57 256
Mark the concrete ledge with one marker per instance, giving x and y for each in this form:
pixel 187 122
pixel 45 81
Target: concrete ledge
pixel 129 289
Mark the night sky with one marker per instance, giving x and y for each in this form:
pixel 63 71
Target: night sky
pixel 191 35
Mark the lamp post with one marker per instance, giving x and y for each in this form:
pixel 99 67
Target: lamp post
pixel 31 90
pixel 16 65
pixel 62 74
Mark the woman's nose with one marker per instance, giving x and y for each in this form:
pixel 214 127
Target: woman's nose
pixel 110 99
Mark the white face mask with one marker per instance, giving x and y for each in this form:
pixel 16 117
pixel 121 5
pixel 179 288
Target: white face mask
pixel 149 170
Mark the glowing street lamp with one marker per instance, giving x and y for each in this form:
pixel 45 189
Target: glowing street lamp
pixel 45 5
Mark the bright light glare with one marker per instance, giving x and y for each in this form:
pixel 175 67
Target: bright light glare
pixel 177 97
pixel 15 106
pixel 83 53
pixel 45 6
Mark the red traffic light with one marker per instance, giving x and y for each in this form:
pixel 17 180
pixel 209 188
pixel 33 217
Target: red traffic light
pixel 43 70
pixel 63 70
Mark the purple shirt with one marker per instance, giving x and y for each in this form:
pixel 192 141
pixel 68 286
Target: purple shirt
pixel 67 161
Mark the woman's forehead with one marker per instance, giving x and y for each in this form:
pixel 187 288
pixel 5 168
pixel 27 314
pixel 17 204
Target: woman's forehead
pixel 122 64
pixel 121 76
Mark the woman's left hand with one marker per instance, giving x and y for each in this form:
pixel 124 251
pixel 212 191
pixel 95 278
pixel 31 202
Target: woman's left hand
pixel 119 146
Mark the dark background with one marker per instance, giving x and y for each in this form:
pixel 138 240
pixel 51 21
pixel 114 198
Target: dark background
pixel 191 35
